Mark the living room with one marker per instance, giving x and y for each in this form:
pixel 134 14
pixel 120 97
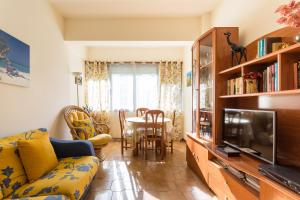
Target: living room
pixel 84 78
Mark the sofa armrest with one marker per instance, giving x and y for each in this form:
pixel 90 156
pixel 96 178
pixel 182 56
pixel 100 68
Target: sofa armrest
pixel 72 148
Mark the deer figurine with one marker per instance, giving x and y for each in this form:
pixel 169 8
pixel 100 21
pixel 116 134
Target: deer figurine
pixel 235 50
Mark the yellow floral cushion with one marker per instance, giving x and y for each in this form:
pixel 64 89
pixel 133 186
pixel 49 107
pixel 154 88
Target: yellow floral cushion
pixel 38 156
pixel 100 139
pixel 88 127
pixel 50 197
pixel 70 178
pixel 1 194
pixel 12 174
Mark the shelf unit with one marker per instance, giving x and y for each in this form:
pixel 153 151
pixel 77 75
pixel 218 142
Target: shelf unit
pixel 202 153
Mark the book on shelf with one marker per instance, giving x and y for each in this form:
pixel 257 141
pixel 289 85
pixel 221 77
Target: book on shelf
pixel 265 45
pixel 270 78
pixel 297 75
pixel 235 86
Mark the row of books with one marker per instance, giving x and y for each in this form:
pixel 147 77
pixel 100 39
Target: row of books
pixel 235 86
pixel 265 45
pixel 270 78
pixel 297 75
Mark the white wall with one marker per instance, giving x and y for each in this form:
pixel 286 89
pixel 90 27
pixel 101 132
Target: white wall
pixel 34 22
pixel 187 91
pixel 255 18
pixel 132 29
pixel 135 53
pixel 76 57
pixel 132 54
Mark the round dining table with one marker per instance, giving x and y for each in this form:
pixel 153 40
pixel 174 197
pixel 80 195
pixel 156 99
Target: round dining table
pixel 139 122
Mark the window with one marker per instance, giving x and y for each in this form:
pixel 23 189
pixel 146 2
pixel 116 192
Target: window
pixel 133 86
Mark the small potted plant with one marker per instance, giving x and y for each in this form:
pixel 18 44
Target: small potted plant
pixel 290 15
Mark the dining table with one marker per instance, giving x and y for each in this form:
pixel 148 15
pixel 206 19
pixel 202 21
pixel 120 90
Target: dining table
pixel 135 123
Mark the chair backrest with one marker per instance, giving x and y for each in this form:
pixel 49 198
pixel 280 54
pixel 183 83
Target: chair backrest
pixel 155 123
pixel 69 112
pixel 122 121
pixel 173 118
pixel 141 111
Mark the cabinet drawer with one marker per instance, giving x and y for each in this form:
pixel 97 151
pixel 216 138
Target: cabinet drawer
pixel 235 189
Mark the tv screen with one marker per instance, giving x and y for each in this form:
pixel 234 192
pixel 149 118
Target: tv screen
pixel 251 131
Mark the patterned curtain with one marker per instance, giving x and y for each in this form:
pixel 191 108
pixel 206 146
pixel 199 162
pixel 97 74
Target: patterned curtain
pixel 97 95
pixel 171 93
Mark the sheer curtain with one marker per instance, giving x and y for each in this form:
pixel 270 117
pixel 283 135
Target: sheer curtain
pixel 97 94
pixel 171 93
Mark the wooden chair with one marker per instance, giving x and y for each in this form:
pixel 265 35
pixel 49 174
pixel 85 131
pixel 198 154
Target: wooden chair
pixel 73 113
pixel 141 112
pixel 170 132
pixel 125 134
pixel 155 132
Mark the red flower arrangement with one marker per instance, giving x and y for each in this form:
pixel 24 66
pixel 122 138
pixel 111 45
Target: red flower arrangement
pixel 290 14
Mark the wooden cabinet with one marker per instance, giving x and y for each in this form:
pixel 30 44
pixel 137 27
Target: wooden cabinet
pixel 212 68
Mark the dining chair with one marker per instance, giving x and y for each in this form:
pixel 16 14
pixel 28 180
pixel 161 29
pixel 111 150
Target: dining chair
pixel 140 112
pixel 126 134
pixel 154 138
pixel 170 132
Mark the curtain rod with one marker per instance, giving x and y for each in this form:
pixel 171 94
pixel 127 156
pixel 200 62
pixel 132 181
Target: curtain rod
pixel 135 62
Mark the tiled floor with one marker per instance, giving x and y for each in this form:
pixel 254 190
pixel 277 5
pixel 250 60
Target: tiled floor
pixel 131 177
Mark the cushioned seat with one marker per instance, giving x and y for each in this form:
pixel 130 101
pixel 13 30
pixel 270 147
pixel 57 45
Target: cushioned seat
pixel 100 140
pixel 50 197
pixel 70 178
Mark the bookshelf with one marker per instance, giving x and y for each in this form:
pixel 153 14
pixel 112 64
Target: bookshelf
pixel 285 58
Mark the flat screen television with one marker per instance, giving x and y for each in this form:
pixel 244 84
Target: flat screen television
pixel 251 131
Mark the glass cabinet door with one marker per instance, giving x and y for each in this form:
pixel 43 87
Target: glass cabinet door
pixel 206 88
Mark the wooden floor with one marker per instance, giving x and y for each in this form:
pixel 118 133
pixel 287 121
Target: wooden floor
pixel 131 177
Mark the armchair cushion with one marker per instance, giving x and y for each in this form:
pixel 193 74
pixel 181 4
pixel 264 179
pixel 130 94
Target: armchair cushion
pixel 87 128
pixel 100 140
pixel 38 157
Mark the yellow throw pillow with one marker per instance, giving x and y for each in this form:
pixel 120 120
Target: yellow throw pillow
pixel 88 127
pixel 12 174
pixel 38 157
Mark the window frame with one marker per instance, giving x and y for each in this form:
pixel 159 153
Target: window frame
pixel 134 74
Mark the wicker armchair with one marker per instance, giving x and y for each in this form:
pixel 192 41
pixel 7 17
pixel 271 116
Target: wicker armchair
pixel 99 141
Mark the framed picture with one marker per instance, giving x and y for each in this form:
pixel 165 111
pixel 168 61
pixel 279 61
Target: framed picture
pixel 14 61
pixel 189 79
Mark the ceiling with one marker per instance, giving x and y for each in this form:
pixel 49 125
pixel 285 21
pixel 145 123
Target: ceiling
pixel 132 8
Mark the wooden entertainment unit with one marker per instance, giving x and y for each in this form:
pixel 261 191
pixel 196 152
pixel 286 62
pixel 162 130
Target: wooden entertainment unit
pixel 211 71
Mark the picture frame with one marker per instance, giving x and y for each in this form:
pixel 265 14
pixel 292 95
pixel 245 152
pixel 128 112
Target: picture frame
pixel 189 78
pixel 14 61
